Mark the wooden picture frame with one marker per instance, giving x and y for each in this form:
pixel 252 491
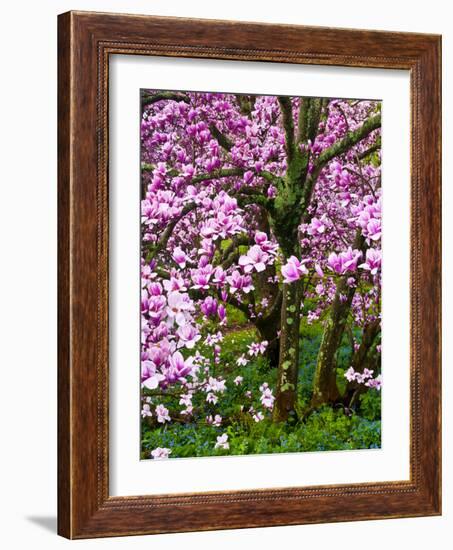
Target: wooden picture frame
pixel 85 41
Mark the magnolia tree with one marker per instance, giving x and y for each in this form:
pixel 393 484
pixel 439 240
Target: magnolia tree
pixel 272 206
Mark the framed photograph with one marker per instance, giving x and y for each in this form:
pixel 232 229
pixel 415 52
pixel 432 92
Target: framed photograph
pixel 249 275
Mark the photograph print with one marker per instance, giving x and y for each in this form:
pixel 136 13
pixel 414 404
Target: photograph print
pixel 260 274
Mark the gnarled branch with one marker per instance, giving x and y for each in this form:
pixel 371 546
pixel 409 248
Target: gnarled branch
pixel 155 248
pixel 149 99
pixel 339 148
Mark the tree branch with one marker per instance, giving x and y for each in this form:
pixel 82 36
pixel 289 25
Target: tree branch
pixel 222 139
pixel 223 173
pixel 346 143
pixel 302 122
pixel 339 148
pixel 375 147
pixel 149 99
pixel 155 248
pixel 288 125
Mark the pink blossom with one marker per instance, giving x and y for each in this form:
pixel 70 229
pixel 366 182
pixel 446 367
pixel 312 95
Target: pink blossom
pixel 146 410
pixel 293 270
pixel 257 348
pixel 201 277
pixel 188 336
pixel 178 368
pixel 212 398
pixel 242 361
pixel 375 383
pixel 160 453
pixel 373 261
pixel 316 227
pixel 267 399
pixel 240 282
pixel 186 399
pixel 209 306
pixel 162 414
pixel 179 308
pixel 221 311
pixel 258 416
pixel 180 257
pixel 345 261
pixel 254 259
pixel 222 442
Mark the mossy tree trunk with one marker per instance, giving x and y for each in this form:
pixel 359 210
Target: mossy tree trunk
pixel 269 328
pixel 325 388
pixel 288 365
pixel 325 382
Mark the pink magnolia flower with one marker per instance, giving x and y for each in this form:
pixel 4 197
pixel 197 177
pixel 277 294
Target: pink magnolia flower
pixel 153 381
pixel 222 442
pixel 258 416
pixel 221 312
pixel 212 398
pixel 209 306
pixel 175 283
pixel 373 229
pixel 375 383
pixel 162 414
pixel 293 270
pixel 267 399
pixel 179 367
pixel 155 308
pixel 212 339
pixel 201 277
pixel 179 308
pixel 216 421
pixel 373 261
pixel 254 259
pixel 160 453
pixel 240 282
pixel 215 385
pixel 350 374
pixel 188 336
pixel 219 275
pixel 146 410
pixel 345 261
pixel 265 244
pixel 180 257
pixel 257 348
pixel 155 289
pixel 271 192
pixel 186 399
pixel 316 227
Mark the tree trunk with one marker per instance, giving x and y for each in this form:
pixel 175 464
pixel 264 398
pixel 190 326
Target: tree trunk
pixel 361 359
pixel 325 384
pixel 288 365
pixel 269 327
